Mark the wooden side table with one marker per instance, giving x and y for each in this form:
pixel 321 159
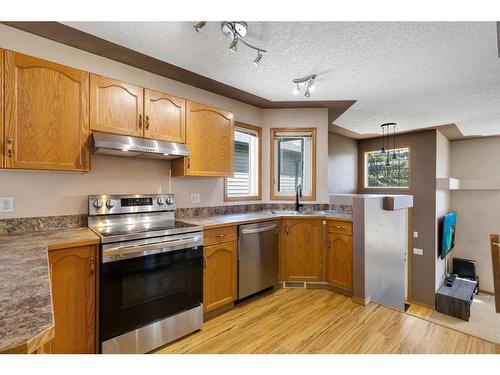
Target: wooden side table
pixel 455 300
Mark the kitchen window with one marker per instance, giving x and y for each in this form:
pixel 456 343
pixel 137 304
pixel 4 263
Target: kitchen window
pixel 293 162
pixel 388 170
pixel 245 184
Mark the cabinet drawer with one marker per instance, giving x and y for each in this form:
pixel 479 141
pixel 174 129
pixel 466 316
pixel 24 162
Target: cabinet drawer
pixel 220 235
pixel 340 227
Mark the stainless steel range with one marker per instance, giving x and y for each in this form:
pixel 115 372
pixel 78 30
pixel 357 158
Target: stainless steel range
pixel 151 272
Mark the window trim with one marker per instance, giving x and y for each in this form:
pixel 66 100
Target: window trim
pixel 362 174
pixel 257 197
pixel 312 196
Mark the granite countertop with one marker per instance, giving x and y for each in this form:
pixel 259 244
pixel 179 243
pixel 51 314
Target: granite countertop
pixel 248 217
pixel 25 296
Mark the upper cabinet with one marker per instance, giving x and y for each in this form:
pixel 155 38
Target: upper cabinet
pixel 116 107
pixel 1 109
pixel 210 137
pixel 164 116
pixel 46 115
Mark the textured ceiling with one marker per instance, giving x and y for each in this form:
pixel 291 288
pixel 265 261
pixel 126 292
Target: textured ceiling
pixel 418 74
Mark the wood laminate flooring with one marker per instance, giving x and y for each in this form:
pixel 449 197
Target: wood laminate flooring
pixel 321 321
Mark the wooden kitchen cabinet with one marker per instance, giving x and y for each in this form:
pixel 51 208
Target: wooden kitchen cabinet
pixel 2 165
pixel 339 260
pixel 304 244
pixel 210 137
pixel 73 278
pixel 46 115
pixel 116 107
pixel 220 275
pixel 165 117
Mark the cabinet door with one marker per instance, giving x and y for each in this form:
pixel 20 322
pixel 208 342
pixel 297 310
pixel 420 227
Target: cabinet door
pixel 165 117
pixel 73 277
pixel 2 165
pixel 219 276
pixel 116 107
pixel 46 115
pixel 303 249
pixel 210 137
pixel 340 260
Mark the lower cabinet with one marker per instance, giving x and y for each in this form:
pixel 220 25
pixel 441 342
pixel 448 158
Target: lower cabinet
pixel 339 260
pixel 303 249
pixel 220 275
pixel 73 277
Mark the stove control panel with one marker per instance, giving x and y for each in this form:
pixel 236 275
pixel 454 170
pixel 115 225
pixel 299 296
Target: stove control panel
pixel 122 204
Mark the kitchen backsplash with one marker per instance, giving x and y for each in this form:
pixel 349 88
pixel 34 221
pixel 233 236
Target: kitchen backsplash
pixel 29 224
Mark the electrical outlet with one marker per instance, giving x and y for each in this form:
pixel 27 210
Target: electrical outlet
pixel 418 251
pixel 415 234
pixel 195 198
pixel 6 204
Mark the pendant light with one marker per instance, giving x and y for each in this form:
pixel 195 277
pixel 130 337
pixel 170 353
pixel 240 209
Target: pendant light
pixel 386 141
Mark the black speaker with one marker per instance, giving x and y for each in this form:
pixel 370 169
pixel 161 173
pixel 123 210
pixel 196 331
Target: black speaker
pixel 464 268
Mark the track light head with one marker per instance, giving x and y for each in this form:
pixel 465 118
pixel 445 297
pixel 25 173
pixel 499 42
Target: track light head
pixel 233 47
pixel 200 25
pixel 306 82
pixel 296 90
pixel 256 62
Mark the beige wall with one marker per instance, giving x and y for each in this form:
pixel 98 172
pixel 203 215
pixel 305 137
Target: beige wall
pixel 443 199
pixel 342 164
pixel 44 193
pixel 478 211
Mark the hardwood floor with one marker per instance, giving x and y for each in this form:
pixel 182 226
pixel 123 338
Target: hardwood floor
pixel 321 321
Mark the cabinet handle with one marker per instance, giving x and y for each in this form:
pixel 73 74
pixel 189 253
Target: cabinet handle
pixel 189 163
pixel 204 262
pixel 140 121
pixel 147 122
pixel 9 147
pixel 220 235
pixel 339 227
pixel 92 265
pixel 287 230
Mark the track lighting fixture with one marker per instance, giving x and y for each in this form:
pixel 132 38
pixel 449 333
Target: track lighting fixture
pixel 236 30
pixel 199 26
pixel 256 62
pixel 233 47
pixel 307 83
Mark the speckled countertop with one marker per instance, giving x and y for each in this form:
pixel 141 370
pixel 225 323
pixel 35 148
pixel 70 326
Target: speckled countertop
pixel 247 217
pixel 25 296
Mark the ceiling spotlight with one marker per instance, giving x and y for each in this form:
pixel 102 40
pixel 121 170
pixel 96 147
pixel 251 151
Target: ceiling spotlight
pixel 199 26
pixel 236 30
pixel 233 47
pixel 256 62
pixel 307 83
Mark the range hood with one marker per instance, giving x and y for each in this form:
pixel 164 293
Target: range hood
pixel 135 147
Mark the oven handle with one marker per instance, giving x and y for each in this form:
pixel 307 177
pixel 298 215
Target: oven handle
pixel 119 253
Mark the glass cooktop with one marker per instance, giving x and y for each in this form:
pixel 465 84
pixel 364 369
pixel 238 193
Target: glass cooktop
pixel 170 226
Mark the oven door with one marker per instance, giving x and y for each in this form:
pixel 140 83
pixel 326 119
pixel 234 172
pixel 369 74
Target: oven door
pixel 143 283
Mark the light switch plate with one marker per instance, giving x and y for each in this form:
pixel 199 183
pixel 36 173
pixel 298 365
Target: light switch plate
pixel 418 251
pixel 415 234
pixel 6 204
pixel 195 198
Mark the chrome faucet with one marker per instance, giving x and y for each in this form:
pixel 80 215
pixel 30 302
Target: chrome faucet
pixel 298 193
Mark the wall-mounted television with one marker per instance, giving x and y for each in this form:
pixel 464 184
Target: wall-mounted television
pixel 448 233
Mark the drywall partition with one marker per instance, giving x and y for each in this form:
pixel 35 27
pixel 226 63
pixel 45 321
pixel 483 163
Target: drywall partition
pixel 342 164
pixel 423 188
pixel 478 211
pixel 386 243
pixel 443 200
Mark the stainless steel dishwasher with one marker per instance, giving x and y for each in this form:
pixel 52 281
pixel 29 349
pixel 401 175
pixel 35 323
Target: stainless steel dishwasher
pixel 257 257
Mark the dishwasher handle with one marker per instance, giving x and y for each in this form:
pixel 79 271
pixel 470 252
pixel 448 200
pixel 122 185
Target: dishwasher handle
pixel 259 230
